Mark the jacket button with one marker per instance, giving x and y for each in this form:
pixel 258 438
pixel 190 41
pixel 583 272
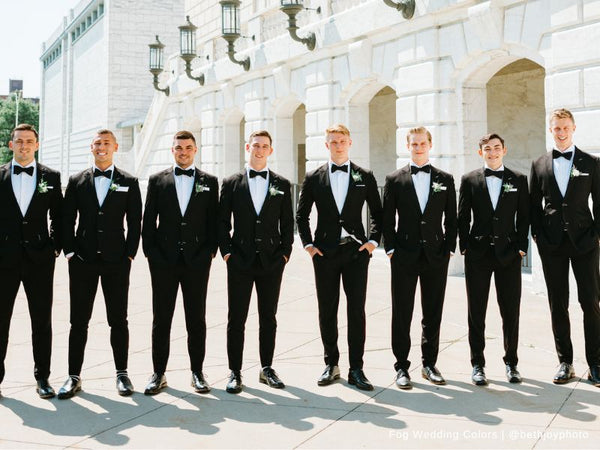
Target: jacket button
pixel 183 224
pixel 258 221
pixel 496 218
pixel 25 222
pixel 423 222
pixel 100 231
pixel 564 204
pixel 100 213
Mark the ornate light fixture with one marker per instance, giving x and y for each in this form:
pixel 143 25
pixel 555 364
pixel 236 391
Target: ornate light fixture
pixel 187 48
pixel 156 63
pixel 230 29
pixel 291 8
pixel 407 7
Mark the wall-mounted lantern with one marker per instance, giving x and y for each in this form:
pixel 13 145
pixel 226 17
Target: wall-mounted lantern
pixel 406 7
pixel 156 63
pixel 187 48
pixel 230 29
pixel 291 8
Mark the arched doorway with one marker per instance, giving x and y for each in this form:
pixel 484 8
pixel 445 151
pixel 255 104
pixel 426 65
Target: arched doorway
pixel 233 158
pixel 299 142
pixel 382 133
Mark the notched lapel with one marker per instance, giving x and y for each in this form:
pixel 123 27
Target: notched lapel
pixel 579 164
pixel 326 183
pixel 245 187
pixel 406 178
pixel 5 178
pixel 483 186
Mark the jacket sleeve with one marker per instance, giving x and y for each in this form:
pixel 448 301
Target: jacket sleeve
pixel 56 217
pixel 596 195
pixel 389 214
pixel 522 220
pixel 134 219
pixel 150 216
pixel 286 222
pixel 375 209
pixel 450 222
pixel 224 222
pixel 213 216
pixel 464 214
pixel 535 202
pixel 305 204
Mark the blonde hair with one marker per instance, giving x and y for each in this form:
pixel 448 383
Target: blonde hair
pixel 338 128
pixel 561 113
pixel 418 130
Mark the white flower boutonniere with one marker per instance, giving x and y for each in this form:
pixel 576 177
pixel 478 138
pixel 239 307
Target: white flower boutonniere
pixel 201 188
pixel 42 186
pixel 356 176
pixel 114 187
pixel 576 173
pixel 273 191
pixel 438 187
pixel 507 187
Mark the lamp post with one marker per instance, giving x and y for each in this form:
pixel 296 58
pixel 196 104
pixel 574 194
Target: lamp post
pixel 230 29
pixel 407 7
pixel 156 63
pixel 18 94
pixel 187 48
pixel 292 8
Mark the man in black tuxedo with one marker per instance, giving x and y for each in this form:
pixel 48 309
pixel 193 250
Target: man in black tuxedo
pixel 418 200
pixel 340 248
pixel 179 237
pixel 256 254
pixel 28 247
pixel 100 199
pixel 565 230
pixel 493 226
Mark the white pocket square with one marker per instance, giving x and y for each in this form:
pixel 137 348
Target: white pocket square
pixel 49 187
pixel 513 190
pixel 123 189
pixel 360 185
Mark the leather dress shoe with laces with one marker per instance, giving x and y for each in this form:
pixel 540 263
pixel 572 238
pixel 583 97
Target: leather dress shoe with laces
pixel 565 373
pixel 124 385
pixel 157 383
pixel 478 376
pixel 269 377
pixel 70 388
pixel 44 389
pixel 403 379
pixel 357 377
pixel 329 375
pixel 234 385
pixel 199 383
pixel 594 375
pixel 432 374
pixel 512 374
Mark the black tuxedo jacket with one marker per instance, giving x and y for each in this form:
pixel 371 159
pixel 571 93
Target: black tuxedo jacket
pixel 551 213
pixel 479 224
pixel 195 232
pixel 406 230
pixel 270 233
pixel 30 233
pixel 100 232
pixel 316 189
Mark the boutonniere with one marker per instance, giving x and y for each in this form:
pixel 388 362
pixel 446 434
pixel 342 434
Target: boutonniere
pixel 273 191
pixel 42 187
pixel 114 186
pixel 576 173
pixel 438 187
pixel 507 187
pixel 356 176
pixel 201 188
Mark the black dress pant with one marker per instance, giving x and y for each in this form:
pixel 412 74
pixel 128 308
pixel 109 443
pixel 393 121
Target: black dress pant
pixel 240 281
pixel 352 267
pixel 433 289
pixel 478 275
pixel 556 273
pixel 37 281
pixel 83 285
pixel 166 280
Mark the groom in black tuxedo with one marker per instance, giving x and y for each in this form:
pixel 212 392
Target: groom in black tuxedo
pixel 256 254
pixel 99 200
pixel 567 231
pixel 493 226
pixel 419 233
pixel 340 249
pixel 179 237
pixel 29 191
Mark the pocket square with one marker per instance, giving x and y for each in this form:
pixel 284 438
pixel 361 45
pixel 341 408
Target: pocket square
pixel 513 190
pixel 49 187
pixel 359 185
pixel 123 189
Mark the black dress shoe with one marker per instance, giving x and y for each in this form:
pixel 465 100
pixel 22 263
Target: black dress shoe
pixel 124 385
pixel 329 375
pixel 512 374
pixel 199 383
pixel 594 375
pixel 157 383
pixel 432 374
pixel 234 385
pixel 565 373
pixel 70 388
pixel 44 389
pixel 269 377
pixel 478 376
pixel 403 379
pixel 356 377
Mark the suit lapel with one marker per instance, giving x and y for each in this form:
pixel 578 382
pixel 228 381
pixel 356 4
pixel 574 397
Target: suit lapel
pixel 90 186
pixel 273 181
pixel 486 192
pixel 406 178
pixel 5 178
pixel 577 163
pixel 198 181
pixel 508 179
pixel 245 187
pixel 549 169
pixel 352 183
pixel 326 183
pixel 116 179
pixel 171 190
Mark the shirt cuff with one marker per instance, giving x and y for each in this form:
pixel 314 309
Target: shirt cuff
pixel 390 252
pixel 69 255
pixel 375 243
pixel 308 245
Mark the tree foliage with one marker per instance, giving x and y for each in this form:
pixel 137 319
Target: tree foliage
pixel 28 113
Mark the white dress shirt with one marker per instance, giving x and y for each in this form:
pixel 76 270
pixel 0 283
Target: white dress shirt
pixel 184 186
pixel 494 185
pixel 102 184
pixel 339 182
pixel 562 170
pixel 258 188
pixel 422 183
pixel 23 185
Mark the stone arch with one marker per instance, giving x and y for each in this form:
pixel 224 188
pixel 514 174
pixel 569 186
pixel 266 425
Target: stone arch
pixel 289 138
pixel 233 139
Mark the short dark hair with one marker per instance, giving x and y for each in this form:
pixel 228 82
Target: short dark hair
pixel 488 137
pixel 184 134
pixel 106 131
pixel 261 133
pixel 24 127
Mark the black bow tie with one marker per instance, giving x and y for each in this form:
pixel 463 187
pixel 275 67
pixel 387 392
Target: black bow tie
pixel 494 173
pixel 106 173
pixel 18 169
pixel 343 168
pixel 557 154
pixel 415 170
pixel 255 173
pixel 187 172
